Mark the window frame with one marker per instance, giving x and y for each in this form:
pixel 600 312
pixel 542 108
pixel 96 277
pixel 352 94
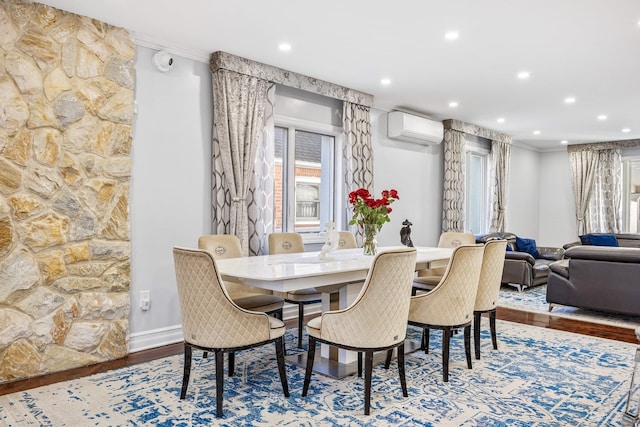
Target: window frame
pixel 475 150
pixel 333 185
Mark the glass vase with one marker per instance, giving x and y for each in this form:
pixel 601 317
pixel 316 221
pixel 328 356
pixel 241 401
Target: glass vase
pixel 370 245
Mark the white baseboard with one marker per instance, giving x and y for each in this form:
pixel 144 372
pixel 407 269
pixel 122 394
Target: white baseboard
pixel 153 338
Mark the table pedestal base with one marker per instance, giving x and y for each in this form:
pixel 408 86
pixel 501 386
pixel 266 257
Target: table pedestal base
pixel 334 369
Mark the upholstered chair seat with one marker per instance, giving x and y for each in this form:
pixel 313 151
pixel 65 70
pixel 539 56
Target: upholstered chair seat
pixel 213 322
pixel 375 321
pixel 347 240
pixel 428 278
pixel 449 306
pixel 488 290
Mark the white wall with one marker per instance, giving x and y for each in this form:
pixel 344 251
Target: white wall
pixel 522 217
pixel 416 172
pixel 170 186
pixel 557 206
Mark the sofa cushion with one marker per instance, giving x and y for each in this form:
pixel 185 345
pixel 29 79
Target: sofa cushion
pixel 599 239
pixel 528 246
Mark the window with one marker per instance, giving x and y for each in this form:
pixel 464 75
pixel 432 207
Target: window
pixel 631 194
pixel 477 188
pixel 304 178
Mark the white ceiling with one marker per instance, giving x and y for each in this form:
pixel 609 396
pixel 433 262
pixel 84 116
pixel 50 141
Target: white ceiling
pixel 587 49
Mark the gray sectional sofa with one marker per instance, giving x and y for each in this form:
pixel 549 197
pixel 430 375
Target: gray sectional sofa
pixel 600 278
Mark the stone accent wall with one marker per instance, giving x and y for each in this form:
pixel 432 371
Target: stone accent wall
pixel 66 111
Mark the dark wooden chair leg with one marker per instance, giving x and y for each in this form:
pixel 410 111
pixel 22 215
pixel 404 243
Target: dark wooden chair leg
pixel 359 364
pixel 492 325
pixel 387 360
pixel 368 371
pixel 413 292
pixel 467 345
pixel 281 368
pixel 300 322
pixel 425 340
pixel 205 354
pixel 476 333
pixel 403 379
pixel 446 338
pixel 219 381
pixel 307 374
pixel 187 370
pixel 232 363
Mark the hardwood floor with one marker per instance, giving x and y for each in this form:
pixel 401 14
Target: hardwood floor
pixel 536 319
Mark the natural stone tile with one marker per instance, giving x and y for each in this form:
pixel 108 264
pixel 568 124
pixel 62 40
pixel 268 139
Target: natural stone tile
pixel 47 145
pixel 85 336
pixel 98 305
pixel 99 29
pixel 40 113
pixel 78 135
pixel 77 284
pixel 16 110
pixel 64 29
pixel 10 176
pixel 52 266
pixel 91 269
pixel 121 140
pixel 44 231
pixel 78 252
pixel 114 341
pixel 4 138
pixel 97 193
pixel 18 271
pixel 57 358
pixel 20 360
pixel 69 56
pixel 24 71
pixel 16 325
pixel 67 203
pixel 55 83
pixel 118 277
pixel 19 148
pixel 93 92
pixel 37 44
pixel 24 205
pixel 116 220
pixel 45 16
pixel 9 33
pixel 121 42
pixel 6 236
pixel 84 227
pixel 71 170
pixel 94 43
pixel 118 167
pixel 121 71
pixel 68 109
pixel 87 63
pixel 105 250
pixel 22 14
pixel 118 107
pixel 41 302
pixel 43 181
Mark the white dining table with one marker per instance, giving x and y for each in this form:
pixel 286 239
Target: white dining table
pixel 339 278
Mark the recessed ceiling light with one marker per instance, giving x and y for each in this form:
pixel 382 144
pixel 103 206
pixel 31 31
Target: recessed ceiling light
pixel 569 100
pixel 564 141
pixel 500 120
pixel 536 132
pixel 285 47
pixel 626 130
pixel 385 81
pixel 602 117
pixel 451 35
pixel 453 104
pixel 523 75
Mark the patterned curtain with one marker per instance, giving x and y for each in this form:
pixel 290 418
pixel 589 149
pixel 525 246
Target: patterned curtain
pixel 261 196
pixel 358 151
pixel 238 113
pixel 453 211
pixel 605 204
pixel 500 159
pixel 583 170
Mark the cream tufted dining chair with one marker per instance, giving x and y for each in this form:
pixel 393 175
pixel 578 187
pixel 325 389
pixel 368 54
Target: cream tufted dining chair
pixel 347 240
pixel 223 246
pixel 428 278
pixel 211 321
pixel 375 321
pixel 488 290
pixel 450 304
pixel 289 243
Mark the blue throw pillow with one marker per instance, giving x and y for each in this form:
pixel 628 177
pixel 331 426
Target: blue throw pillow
pixel 604 240
pixel 585 239
pixel 528 246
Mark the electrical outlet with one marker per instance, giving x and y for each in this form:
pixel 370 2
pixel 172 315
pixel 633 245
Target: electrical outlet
pixel 145 300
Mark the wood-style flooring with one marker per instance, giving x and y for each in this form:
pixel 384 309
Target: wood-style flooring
pixel 536 319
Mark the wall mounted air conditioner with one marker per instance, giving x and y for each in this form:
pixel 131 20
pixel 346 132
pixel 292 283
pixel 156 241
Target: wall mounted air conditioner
pixel 412 128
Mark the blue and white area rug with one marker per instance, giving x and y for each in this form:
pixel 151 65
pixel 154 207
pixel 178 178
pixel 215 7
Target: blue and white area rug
pixel 534 300
pixel 538 377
